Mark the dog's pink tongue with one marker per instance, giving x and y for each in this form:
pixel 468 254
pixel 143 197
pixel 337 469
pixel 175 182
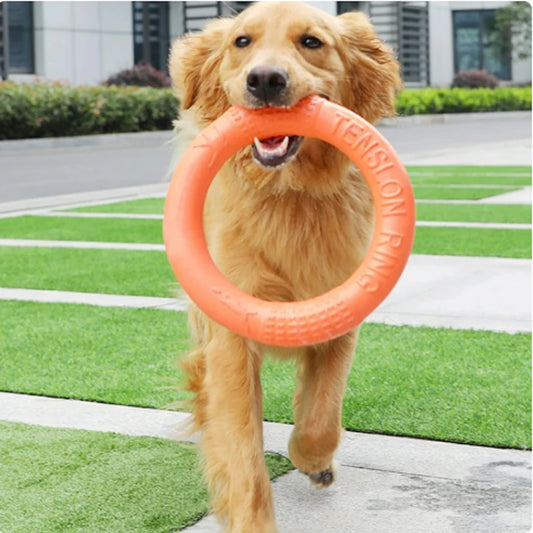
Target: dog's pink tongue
pixel 272 142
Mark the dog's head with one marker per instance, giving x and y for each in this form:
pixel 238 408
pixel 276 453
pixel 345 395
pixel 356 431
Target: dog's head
pixel 275 54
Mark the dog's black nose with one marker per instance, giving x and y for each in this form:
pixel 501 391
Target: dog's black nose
pixel 267 83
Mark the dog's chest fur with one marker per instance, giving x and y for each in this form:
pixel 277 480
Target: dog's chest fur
pixel 290 245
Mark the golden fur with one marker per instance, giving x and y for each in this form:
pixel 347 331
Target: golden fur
pixel 282 234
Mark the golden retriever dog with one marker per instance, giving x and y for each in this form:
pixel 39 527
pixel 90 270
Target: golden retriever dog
pixel 286 219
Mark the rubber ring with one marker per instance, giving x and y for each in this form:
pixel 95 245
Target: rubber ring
pixel 333 313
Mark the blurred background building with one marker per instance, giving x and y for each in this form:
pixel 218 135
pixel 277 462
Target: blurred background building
pixel 85 42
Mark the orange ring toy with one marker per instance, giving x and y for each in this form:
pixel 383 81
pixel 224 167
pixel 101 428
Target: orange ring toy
pixel 326 316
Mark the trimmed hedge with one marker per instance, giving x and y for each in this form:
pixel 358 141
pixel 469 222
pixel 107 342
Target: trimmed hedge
pixel 460 100
pixel 54 110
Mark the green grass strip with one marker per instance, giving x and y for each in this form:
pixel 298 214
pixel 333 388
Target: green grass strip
pixel 470 180
pixel 466 386
pixel 57 480
pixel 473 242
pixel 82 229
pixel 145 206
pixel 509 214
pixel 106 271
pixel 463 170
pixel 458 193
pixel 113 355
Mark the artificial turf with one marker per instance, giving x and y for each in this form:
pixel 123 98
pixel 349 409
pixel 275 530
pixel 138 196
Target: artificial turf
pixel 453 385
pixel 465 386
pixel 499 213
pixel 145 206
pixel 470 212
pixel 469 170
pixel 58 480
pixel 82 229
pixel 101 271
pixel 477 242
pixel 470 179
pixel 110 354
pixel 449 192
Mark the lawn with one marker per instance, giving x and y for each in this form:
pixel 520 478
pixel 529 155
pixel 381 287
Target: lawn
pixel 473 242
pixel 469 179
pixel 103 271
pixel 466 182
pixel 467 386
pixel 449 192
pixel 452 171
pixel 144 206
pixel 58 480
pixel 82 229
pixel 508 214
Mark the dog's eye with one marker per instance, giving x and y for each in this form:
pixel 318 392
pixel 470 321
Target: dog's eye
pixel 311 42
pixel 243 41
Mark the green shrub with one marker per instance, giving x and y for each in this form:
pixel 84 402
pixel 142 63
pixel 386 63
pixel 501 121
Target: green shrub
pixel 140 75
pixel 473 79
pixel 52 110
pixel 460 100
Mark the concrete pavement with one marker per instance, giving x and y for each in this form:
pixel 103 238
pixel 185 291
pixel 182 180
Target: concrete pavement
pixel 385 484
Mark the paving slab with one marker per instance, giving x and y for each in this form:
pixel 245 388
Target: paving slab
pixel 461 292
pixel 521 196
pixel 83 245
pixel 396 484
pixel 89 298
pixel 71 200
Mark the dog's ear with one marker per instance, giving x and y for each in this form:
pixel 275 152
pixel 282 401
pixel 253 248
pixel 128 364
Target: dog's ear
pixel 373 71
pixel 193 63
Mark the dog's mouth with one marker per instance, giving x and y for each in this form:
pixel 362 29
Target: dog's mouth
pixel 275 151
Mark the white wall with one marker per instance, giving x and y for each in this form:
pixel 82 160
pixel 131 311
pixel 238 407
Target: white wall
pixel 440 44
pixel 82 42
pixel 326 5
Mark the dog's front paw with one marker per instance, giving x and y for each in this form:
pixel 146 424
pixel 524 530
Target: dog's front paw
pixel 323 478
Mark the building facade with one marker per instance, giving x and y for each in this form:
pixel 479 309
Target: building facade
pixel 84 42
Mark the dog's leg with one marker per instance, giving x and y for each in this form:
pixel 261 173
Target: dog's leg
pixel 232 436
pixel 322 374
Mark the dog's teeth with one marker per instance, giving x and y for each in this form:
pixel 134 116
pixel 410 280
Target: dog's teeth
pixel 258 145
pixel 265 150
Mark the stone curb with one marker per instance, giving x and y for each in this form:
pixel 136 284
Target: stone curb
pixel 87 141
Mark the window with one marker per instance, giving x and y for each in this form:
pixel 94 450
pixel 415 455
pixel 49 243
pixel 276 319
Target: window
pixel 346 7
pixel 20 35
pixel 473 45
pixel 150 33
